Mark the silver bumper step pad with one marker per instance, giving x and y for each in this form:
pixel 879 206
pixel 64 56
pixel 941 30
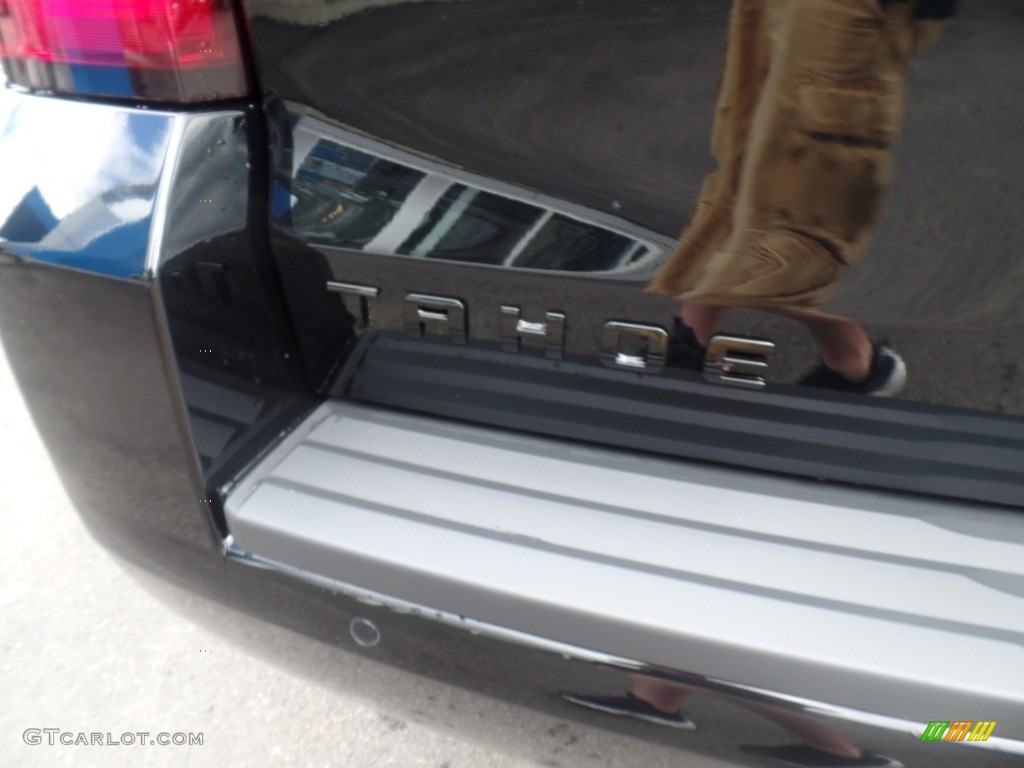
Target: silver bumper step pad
pixel 884 603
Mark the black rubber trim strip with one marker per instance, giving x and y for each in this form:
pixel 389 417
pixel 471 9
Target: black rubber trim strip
pixel 851 439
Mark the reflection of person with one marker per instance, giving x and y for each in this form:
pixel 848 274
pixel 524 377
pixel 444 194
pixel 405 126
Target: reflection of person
pixel 822 744
pixel 809 102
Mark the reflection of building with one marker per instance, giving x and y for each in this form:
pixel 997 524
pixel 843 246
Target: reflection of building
pixel 108 233
pixel 30 220
pixel 354 193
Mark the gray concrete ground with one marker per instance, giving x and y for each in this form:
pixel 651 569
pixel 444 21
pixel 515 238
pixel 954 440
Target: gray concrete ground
pixel 85 648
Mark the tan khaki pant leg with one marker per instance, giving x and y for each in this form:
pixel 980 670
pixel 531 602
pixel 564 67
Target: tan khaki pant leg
pixel 818 157
pixel 744 69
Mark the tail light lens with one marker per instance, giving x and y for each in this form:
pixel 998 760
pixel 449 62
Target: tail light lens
pixel 160 50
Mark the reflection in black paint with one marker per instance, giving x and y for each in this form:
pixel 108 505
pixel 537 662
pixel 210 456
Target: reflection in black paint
pixel 349 197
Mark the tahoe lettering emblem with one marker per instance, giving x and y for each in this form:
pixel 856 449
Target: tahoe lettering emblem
pixel 736 361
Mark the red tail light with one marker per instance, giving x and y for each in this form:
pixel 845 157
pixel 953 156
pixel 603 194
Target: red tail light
pixel 164 50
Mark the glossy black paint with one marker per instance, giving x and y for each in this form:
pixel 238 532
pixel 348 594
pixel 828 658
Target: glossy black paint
pixel 88 199
pixel 608 106
pixel 86 353
pixel 604 109
pixel 99 360
pixel 233 345
pixel 86 346
pixel 105 361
